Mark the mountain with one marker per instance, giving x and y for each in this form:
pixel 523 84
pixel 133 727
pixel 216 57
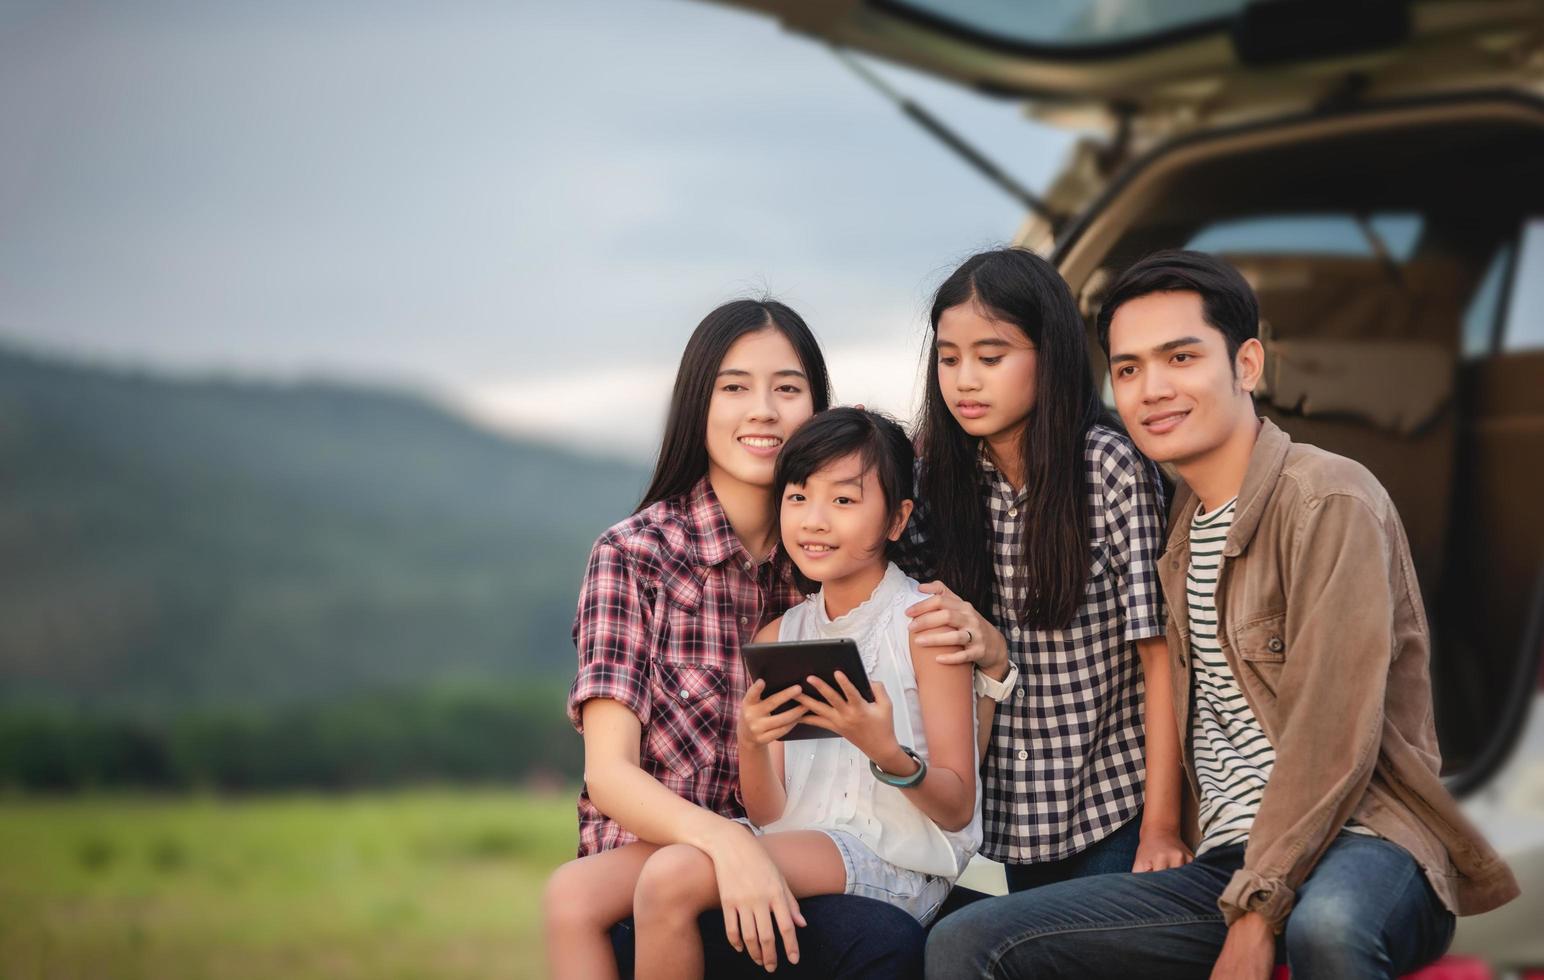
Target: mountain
pixel 179 542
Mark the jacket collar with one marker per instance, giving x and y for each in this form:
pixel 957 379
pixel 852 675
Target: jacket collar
pixel 1265 466
pixel 1266 462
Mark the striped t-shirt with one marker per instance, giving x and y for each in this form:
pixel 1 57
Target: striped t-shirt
pixel 1231 754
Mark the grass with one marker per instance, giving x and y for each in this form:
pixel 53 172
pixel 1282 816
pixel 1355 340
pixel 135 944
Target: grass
pixel 425 883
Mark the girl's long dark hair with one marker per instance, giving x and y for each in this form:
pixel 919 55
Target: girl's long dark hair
pixel 683 454
pixel 1018 287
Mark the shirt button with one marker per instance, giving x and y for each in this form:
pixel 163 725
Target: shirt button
pixel 684 693
pixel 1013 512
pixel 1017 632
pixel 1023 754
pixel 1275 645
pixel 1019 694
pixel 744 620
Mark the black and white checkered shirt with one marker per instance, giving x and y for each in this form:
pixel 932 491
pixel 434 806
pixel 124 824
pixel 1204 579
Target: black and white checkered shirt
pixel 1065 766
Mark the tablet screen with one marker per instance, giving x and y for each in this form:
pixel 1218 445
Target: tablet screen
pixel 785 663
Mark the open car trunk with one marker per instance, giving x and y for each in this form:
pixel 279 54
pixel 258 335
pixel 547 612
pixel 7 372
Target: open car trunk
pixel 1382 243
pixel 1164 63
pixel 1373 168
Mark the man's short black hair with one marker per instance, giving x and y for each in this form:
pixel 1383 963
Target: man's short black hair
pixel 1227 302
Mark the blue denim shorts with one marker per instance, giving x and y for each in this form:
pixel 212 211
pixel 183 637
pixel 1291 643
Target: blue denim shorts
pixel 871 876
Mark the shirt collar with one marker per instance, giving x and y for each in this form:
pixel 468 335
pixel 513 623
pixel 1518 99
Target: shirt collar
pixel 712 538
pixel 994 477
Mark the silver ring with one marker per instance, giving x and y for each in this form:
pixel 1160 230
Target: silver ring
pixel 969 637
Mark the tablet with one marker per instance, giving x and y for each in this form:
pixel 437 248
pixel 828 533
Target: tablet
pixel 786 663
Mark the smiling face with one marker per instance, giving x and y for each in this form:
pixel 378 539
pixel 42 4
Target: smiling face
pixel 1180 395
pixel 986 372
pixel 836 523
pixel 761 394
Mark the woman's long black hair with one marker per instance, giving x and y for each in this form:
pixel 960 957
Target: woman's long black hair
pixel 1018 287
pixel 683 454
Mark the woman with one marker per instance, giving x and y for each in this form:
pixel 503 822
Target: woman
pixel 668 597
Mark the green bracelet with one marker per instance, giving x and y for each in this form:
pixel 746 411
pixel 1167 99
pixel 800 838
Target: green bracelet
pixel 900 782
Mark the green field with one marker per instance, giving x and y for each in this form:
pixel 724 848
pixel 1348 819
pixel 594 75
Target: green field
pixel 426 883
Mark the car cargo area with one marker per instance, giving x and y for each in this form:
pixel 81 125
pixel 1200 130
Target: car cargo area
pixel 1385 244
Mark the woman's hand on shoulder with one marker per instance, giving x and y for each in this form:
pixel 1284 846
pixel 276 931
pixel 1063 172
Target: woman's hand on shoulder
pixel 959 633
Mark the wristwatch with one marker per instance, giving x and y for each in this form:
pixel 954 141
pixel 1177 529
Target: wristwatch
pixel 998 691
pixel 900 782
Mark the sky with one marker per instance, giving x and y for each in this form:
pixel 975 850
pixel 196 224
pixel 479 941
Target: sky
pixel 521 209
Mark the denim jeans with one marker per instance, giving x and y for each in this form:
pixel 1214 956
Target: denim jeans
pixel 1365 911
pixel 848 937
pixel 1113 855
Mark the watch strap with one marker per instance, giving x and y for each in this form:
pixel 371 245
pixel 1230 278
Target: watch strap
pixel 998 691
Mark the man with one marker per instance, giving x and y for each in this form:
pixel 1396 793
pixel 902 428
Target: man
pixel 1300 650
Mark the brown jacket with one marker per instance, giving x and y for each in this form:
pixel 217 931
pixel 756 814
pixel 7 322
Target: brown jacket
pixel 1320 620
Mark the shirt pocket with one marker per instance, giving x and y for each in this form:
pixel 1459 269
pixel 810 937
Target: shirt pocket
pixel 686 729
pixel 1262 650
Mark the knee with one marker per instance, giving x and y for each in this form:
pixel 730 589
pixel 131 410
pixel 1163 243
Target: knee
pixel 567 902
pixel 1330 936
pixel 673 884
pixel 889 942
pixel 957 946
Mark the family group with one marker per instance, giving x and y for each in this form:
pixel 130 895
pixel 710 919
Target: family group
pixel 1165 664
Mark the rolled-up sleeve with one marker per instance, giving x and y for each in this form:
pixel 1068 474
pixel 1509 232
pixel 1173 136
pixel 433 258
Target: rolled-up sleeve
pixel 1334 676
pixel 611 634
pixel 1134 512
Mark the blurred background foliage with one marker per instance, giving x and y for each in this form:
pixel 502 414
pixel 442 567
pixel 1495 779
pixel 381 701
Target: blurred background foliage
pixel 249 586
pixel 224 604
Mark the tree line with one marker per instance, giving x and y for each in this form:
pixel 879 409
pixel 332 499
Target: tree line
pixel 448 732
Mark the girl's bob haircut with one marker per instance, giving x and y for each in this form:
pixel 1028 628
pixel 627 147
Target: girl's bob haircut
pixel 683 454
pixel 879 442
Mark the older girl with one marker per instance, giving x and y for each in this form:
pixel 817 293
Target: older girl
pixel 1046 522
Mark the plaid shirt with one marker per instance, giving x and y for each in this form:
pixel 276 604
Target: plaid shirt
pixel 668 597
pixel 1065 767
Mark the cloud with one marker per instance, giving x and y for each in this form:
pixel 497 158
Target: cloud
pixel 617 409
pixel 479 197
pixel 622 409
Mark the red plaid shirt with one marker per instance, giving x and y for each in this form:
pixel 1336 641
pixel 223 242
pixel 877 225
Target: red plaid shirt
pixel 669 596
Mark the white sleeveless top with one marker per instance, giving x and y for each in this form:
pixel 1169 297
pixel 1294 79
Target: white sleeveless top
pixel 828 782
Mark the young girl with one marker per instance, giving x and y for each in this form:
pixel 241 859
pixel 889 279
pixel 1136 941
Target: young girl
pixel 669 596
pixel 1033 505
pixel 891 810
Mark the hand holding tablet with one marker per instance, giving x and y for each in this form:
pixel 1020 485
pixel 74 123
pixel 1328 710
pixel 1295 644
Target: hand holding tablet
pixel 784 664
